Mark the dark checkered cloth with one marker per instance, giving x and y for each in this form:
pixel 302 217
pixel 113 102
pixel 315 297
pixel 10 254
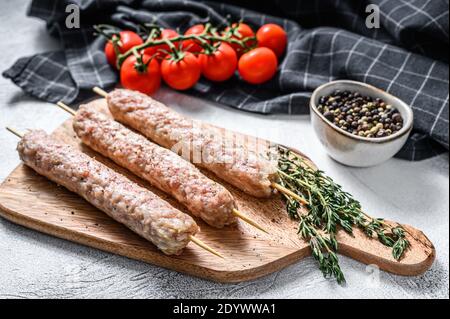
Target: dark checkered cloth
pixel 328 40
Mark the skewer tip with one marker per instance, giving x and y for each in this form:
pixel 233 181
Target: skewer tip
pixel 66 108
pixel 15 132
pixel 248 220
pixel 201 244
pixel 100 91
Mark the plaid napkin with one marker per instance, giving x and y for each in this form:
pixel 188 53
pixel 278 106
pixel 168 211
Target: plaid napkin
pixel 328 40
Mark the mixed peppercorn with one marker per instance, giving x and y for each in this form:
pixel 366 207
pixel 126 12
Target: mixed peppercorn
pixel 360 115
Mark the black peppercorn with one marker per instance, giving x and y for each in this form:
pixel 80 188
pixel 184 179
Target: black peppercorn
pixel 381 133
pixel 397 118
pixel 329 116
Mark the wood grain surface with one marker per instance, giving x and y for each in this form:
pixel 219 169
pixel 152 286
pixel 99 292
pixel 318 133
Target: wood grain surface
pixel 32 201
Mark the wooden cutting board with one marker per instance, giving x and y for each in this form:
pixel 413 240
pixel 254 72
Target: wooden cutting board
pixel 31 200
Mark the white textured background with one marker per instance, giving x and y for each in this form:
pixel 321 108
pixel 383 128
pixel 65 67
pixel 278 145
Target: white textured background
pixel 33 265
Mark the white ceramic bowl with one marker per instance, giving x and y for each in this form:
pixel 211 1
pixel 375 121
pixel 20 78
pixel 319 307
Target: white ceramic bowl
pixel 354 150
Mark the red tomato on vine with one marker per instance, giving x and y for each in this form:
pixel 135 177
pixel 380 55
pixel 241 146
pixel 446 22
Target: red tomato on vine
pixel 141 73
pixel 161 49
pixel 258 65
pixel 219 65
pixel 181 71
pixel 193 45
pixel 240 31
pixel 272 36
pixel 128 39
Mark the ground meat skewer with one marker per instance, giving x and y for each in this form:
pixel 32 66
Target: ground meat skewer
pixel 159 166
pixel 137 208
pixel 238 164
pixel 162 168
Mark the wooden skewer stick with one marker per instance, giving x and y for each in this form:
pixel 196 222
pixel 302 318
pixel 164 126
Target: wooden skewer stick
pixel 100 91
pixel 201 244
pixel 196 241
pixel 248 220
pixel 289 193
pixel 235 211
pixel 66 108
pixel 15 132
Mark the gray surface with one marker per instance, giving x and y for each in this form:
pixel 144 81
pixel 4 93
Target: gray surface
pixel 36 265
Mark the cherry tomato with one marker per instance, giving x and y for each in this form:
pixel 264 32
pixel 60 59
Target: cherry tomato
pixel 272 36
pixel 159 50
pixel 181 74
pixel 220 65
pixel 145 79
pixel 243 31
pixel 193 45
pixel 258 65
pixel 128 40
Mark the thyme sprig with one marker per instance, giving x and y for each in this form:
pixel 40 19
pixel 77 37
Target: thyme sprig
pixel 328 208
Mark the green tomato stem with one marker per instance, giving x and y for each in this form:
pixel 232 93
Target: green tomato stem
pixel 204 37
